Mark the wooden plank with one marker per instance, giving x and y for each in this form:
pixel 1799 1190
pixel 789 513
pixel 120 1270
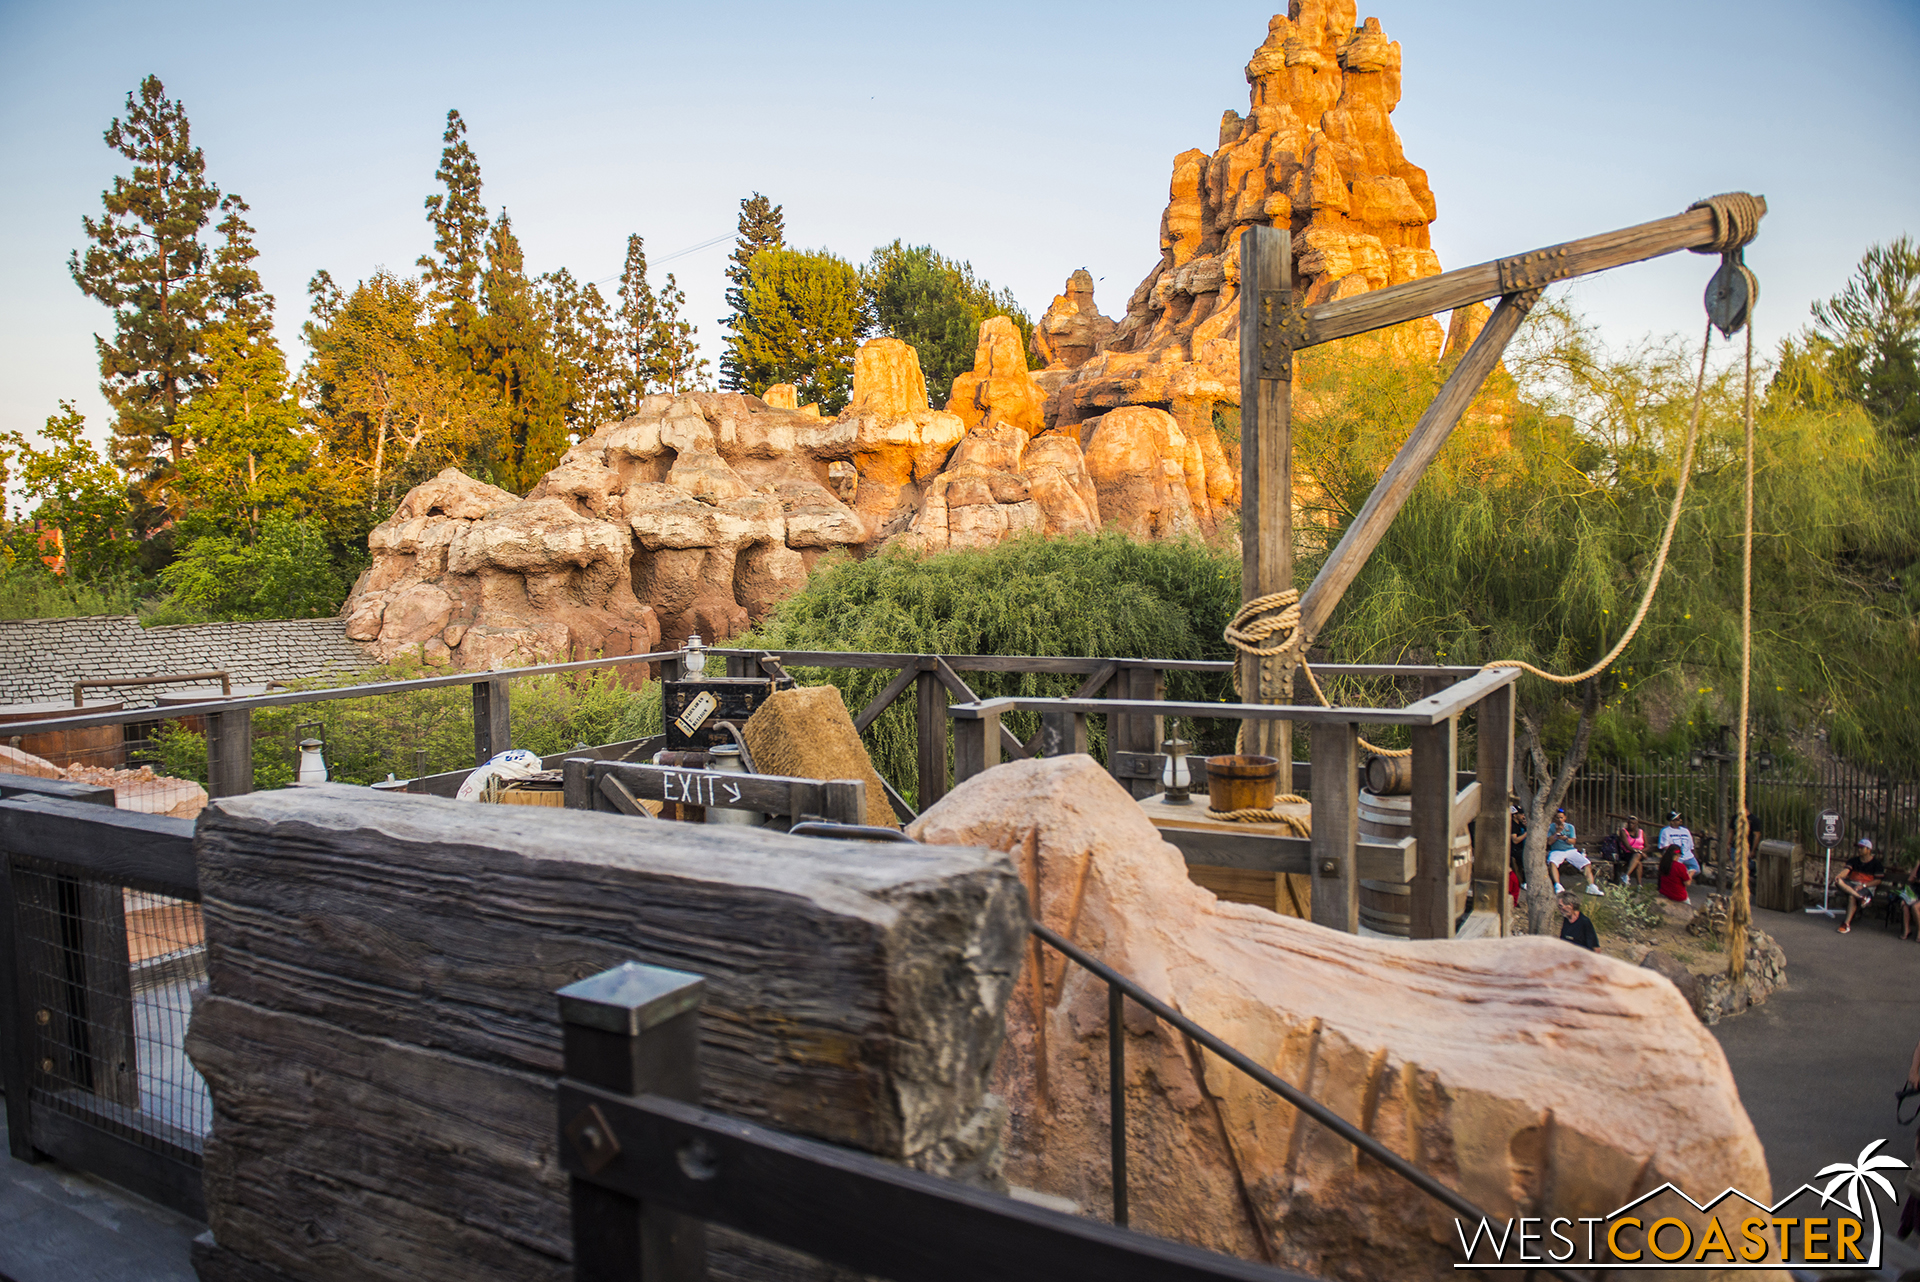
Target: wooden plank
pixel 1336 827
pixel 229 751
pixel 1380 308
pixel 65 790
pixel 1426 712
pixel 1010 745
pixel 1493 759
pixel 884 700
pixel 1266 459
pixel 492 722
pixel 382 1038
pixel 145 852
pixel 1422 446
pixel 1466 805
pixel 868 1216
pixel 1434 766
pixel 931 709
pixel 976 746
pixel 170 1179
pixel 769 794
pixel 1378 860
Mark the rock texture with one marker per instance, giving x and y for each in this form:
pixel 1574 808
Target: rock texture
pixel 1072 328
pixel 1536 1078
pixel 1317 153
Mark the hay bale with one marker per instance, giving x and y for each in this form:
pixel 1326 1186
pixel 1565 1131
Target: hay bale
pixel 805 733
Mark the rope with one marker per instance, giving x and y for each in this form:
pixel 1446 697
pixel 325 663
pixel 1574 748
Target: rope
pixel 1740 912
pixel 1261 618
pixel 1666 538
pixel 1736 220
pixel 1300 825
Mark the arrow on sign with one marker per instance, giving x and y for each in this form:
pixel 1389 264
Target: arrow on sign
pixel 734 792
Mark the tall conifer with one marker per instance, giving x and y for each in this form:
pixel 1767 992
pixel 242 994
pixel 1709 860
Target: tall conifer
pixel 460 228
pixel 512 359
pixel 762 226
pixel 146 263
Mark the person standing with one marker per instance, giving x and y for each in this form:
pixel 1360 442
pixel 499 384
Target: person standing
pixel 1863 872
pixel 1679 835
pixel 1578 927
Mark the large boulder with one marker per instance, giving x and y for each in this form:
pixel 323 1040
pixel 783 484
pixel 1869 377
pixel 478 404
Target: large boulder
pixel 998 388
pixel 1535 1078
pixel 1151 476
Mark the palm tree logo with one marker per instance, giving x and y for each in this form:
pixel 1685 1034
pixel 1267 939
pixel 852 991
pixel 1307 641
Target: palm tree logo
pixel 1863 1174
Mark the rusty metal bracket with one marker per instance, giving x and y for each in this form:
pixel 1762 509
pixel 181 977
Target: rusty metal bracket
pixel 1536 270
pixel 1283 327
pixel 593 1139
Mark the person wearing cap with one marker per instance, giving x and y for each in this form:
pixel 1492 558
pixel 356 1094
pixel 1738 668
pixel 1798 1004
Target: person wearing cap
pixel 1863 872
pixel 1678 834
pixel 1560 850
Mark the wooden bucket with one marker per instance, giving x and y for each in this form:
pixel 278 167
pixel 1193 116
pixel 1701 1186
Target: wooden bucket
pixel 1242 783
pixel 1386 906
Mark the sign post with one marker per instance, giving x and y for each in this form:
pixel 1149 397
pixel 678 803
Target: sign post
pixel 1831 828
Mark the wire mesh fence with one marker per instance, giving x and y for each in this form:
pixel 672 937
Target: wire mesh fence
pixel 110 976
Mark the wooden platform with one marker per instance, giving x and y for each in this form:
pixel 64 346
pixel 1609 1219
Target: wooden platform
pixel 1289 894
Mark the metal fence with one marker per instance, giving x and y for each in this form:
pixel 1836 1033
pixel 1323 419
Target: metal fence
pixel 107 953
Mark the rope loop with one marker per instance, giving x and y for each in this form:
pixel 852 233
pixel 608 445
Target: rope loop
pixel 1262 618
pixel 1736 220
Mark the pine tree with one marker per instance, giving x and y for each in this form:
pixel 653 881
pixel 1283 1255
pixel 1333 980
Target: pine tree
pixel 586 356
pixel 460 229
pixel 633 321
pixel 802 325
pixel 674 363
pixel 512 360
pixel 762 226
pixel 146 263
pixel 936 304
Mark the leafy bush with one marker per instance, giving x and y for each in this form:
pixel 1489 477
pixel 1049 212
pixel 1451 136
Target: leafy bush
pixel 287 572
pixel 1625 907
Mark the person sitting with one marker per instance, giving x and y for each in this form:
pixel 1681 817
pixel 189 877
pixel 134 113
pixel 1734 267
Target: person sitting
pixel 1560 850
pixel 1863 872
pixel 1678 834
pixel 1674 875
pixel 1633 847
pixel 1578 927
pixel 1908 892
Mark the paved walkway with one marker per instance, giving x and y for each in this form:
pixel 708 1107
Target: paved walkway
pixel 59 1225
pixel 1817 1065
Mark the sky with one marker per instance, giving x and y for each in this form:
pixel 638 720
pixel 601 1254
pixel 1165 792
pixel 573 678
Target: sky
pixel 1027 138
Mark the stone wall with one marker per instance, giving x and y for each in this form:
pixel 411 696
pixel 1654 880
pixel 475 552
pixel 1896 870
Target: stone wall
pixel 40 659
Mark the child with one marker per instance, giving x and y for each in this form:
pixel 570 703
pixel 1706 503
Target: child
pixel 1674 874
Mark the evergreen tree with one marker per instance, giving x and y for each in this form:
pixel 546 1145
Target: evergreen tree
pixel 1864 345
pixel 802 325
pixel 936 305
pixel 146 262
pixel 234 292
pixel 586 356
pixel 634 318
pixel 514 363
pixel 252 454
pixel 460 229
pixel 762 226
pixel 674 363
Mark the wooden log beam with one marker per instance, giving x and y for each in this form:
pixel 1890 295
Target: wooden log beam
pixel 1398 303
pixel 1434 766
pixel 1336 827
pixel 381 1040
pixel 1397 482
pixel 1493 763
pixel 1009 743
pixel 1266 461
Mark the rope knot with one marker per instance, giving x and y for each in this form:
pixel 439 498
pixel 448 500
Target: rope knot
pixel 1264 617
pixel 1736 220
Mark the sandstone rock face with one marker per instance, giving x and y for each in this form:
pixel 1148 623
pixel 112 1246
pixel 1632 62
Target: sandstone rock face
pixel 1536 1078
pixel 1315 153
pixel 1154 480
pixel 1072 328
pixel 999 389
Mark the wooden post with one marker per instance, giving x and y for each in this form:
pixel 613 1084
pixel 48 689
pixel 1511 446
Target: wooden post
pixel 1062 733
pixel 1434 766
pixel 843 801
pixel 1266 459
pixel 230 753
pixel 1493 757
pixel 1336 826
pixel 976 745
pixel 930 704
pixel 1137 733
pixel 492 729
pixel 632 1030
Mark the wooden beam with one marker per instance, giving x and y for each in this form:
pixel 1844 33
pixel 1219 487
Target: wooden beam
pixel 884 700
pixel 1010 744
pixel 1431 904
pixel 931 704
pixel 1397 483
pixel 976 745
pixel 492 725
pixel 1493 762
pixel 1336 826
pixel 1462 286
pixel 1266 459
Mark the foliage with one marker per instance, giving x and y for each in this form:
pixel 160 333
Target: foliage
pixel 761 226
pixel 936 305
pixel 1864 344
pixel 1623 908
pixel 74 492
pixel 286 572
pixel 146 263
pixel 1090 595
pixel 511 363
pixel 802 325
pixel 28 590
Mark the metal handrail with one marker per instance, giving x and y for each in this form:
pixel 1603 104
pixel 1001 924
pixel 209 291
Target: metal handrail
pixel 1118 984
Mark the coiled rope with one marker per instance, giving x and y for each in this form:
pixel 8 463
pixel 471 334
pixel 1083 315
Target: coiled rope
pixel 1736 220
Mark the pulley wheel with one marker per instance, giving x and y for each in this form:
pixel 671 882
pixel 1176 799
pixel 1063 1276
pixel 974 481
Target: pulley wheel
pixel 1731 294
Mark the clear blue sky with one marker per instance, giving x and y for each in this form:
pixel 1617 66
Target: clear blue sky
pixel 1028 138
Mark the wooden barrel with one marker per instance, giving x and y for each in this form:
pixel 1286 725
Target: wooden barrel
pixel 103 746
pixel 1385 906
pixel 1242 783
pixel 1390 776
